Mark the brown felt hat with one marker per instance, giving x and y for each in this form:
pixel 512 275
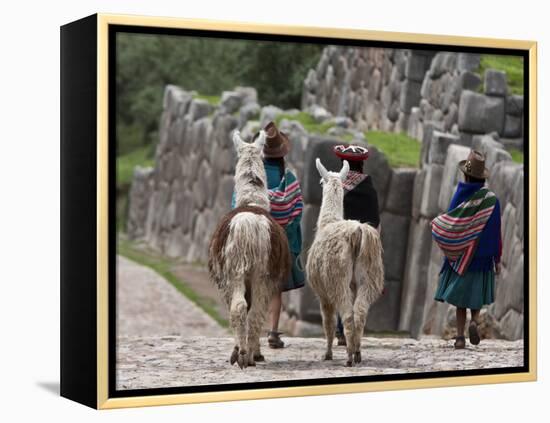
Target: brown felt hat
pixel 474 165
pixel 276 142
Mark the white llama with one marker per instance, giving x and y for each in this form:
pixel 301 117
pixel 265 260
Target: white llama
pixel 344 266
pixel 249 257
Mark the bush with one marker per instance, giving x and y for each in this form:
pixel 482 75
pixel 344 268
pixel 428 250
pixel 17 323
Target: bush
pixel 147 63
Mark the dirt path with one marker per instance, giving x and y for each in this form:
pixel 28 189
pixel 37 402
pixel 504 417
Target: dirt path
pixel 157 362
pixel 148 305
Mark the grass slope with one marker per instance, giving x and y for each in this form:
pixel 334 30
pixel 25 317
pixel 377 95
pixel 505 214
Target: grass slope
pixel 307 121
pixel 163 267
pixel 400 149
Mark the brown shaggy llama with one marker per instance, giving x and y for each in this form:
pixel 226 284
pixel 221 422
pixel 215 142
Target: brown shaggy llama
pixel 344 266
pixel 249 257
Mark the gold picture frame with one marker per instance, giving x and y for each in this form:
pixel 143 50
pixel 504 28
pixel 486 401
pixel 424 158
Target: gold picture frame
pixel 103 400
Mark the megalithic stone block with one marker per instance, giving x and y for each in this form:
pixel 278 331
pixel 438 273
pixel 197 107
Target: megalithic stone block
pixel 417 65
pixel 467 61
pixel 318 147
pixel 512 126
pixel 378 168
pixel 429 203
pixel 495 83
pixel 479 113
pixel 451 173
pixel 439 146
pixel 514 105
pixel 429 127
pixel 383 315
pixel 413 293
pixel 410 95
pixel 470 81
pixel 395 234
pixel 399 199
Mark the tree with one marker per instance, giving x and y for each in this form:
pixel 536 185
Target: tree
pixel 145 64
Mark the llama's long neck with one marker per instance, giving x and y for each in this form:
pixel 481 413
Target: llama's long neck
pixel 332 204
pixel 251 183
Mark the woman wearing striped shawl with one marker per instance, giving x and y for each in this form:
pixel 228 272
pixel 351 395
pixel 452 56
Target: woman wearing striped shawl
pixel 469 236
pixel 285 196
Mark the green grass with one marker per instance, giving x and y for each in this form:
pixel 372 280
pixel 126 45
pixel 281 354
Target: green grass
pixel 512 65
pixel 214 100
pixel 163 267
pixel 517 155
pixel 307 121
pixel 400 149
pixel 125 165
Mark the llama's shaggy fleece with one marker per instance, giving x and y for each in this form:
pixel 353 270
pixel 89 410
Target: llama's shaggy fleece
pixel 344 266
pixel 249 258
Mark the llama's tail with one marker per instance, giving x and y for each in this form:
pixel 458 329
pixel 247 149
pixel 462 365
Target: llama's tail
pixel 248 243
pixel 369 267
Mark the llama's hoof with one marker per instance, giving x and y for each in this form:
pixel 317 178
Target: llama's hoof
pixel 349 363
pixel 259 357
pixel 357 357
pixel 242 359
pixel 234 355
pixel 328 356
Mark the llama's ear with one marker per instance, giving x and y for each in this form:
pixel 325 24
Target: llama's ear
pixel 344 171
pixel 260 140
pixel 322 171
pixel 237 140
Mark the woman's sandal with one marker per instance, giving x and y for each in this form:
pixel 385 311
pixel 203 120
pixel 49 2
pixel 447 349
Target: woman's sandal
pixel 274 341
pixel 473 333
pixel 460 343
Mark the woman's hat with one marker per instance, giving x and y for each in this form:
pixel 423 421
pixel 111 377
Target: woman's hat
pixel 474 165
pixel 351 152
pixel 276 142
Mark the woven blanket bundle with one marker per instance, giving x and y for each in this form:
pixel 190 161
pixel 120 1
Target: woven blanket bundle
pixel 457 231
pixel 286 199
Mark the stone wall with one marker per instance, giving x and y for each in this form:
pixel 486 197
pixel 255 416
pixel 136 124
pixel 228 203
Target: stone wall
pixel 439 99
pixel 175 206
pixel 375 87
pixel 405 90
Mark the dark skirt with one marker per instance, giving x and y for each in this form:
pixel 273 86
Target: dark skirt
pixel 472 290
pixel 297 277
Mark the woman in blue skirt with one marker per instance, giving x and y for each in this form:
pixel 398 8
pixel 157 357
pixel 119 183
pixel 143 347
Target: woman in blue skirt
pixel 285 197
pixel 469 236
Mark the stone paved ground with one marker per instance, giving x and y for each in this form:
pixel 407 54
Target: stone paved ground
pixel 165 340
pixel 148 305
pixel 170 361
